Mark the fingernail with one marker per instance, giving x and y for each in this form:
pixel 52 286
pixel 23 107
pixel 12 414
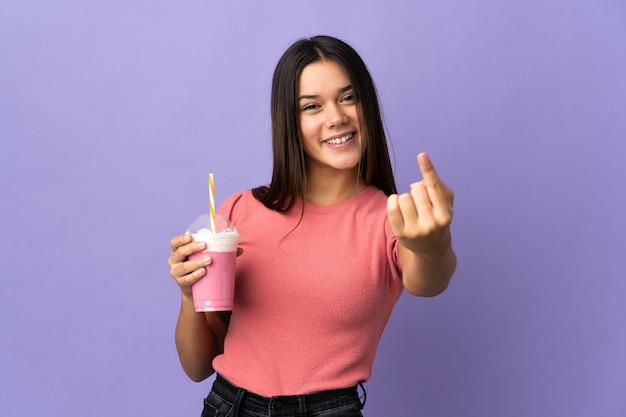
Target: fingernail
pixel 423 158
pixel 206 260
pixel 200 245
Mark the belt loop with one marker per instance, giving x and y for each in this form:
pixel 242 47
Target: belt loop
pixel 302 405
pixel 364 395
pixel 237 403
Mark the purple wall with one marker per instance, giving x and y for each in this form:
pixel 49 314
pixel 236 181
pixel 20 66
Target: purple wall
pixel 113 112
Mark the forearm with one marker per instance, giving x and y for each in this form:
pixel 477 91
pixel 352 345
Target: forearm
pixel 196 342
pixel 427 275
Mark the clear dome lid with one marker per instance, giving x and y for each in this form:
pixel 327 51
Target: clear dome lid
pixel 202 224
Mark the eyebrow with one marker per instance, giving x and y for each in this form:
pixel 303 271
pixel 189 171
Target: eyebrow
pixel 340 91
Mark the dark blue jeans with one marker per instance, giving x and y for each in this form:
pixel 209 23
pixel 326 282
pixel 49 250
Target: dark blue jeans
pixel 228 400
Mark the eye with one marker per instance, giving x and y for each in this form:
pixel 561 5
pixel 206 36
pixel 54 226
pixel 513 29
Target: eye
pixel 348 98
pixel 310 107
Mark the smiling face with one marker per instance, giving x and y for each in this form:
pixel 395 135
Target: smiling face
pixel 329 123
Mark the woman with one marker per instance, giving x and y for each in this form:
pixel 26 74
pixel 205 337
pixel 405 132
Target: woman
pixel 328 247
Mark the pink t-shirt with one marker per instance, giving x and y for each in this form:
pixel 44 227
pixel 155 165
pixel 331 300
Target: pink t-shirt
pixel 311 303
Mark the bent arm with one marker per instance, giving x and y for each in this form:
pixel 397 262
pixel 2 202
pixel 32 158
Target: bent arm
pixel 199 336
pixel 421 221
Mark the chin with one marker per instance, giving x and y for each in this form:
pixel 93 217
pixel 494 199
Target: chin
pixel 345 166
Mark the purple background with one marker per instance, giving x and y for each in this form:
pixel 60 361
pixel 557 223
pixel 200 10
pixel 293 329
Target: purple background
pixel 113 112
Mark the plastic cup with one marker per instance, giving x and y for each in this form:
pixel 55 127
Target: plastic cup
pixel 215 291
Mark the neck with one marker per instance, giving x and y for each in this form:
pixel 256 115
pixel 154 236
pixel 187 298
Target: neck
pixel 324 190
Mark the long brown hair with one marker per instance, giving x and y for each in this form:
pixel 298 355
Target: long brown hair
pixel 289 170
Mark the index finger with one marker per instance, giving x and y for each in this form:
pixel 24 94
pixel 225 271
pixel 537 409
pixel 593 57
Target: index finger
pixel 179 241
pixel 428 170
pixel 439 193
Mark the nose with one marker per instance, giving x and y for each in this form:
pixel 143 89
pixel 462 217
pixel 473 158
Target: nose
pixel 335 116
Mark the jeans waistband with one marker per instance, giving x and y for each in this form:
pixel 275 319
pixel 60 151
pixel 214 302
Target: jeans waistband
pixel 295 404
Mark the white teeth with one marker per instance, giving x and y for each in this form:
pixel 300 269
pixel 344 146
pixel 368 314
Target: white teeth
pixel 342 139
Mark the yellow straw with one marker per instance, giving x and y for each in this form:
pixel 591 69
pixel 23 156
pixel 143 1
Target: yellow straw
pixel 212 202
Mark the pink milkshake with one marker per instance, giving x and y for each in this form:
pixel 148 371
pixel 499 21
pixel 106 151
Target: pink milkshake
pixel 216 289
